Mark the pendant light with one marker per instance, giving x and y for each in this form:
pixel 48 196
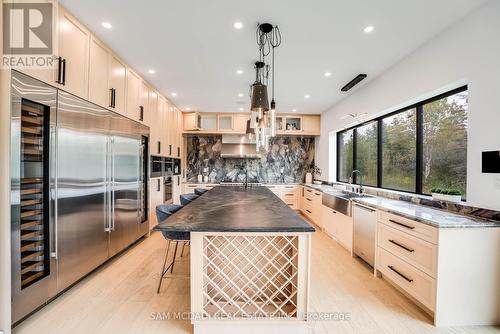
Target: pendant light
pixel 268 38
pixel 259 102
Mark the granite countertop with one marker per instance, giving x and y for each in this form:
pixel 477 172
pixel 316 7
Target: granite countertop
pixel 236 209
pixel 421 213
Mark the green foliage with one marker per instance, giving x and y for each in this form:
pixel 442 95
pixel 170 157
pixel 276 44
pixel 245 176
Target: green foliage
pixel 314 170
pixel 453 192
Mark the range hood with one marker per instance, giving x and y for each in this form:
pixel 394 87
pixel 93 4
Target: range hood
pixel 239 146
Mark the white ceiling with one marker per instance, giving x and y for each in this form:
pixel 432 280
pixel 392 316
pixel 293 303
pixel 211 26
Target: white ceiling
pixel 195 50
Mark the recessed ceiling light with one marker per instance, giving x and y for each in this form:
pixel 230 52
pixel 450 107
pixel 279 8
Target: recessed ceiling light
pixel 241 109
pixel 369 29
pixel 151 71
pixel 174 94
pixel 294 110
pixel 187 108
pixel 307 96
pixel 240 94
pixel 328 74
pixel 238 25
pixel 239 72
pixel 106 25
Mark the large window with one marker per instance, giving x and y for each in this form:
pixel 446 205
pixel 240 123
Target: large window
pixel 415 149
pixel 399 147
pixel 366 153
pixel 345 153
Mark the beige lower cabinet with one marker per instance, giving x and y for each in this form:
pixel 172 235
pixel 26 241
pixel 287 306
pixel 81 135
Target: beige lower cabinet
pixel 156 195
pixel 288 193
pixel 311 204
pixel 188 188
pixel 338 226
pixel 452 273
pixel 176 189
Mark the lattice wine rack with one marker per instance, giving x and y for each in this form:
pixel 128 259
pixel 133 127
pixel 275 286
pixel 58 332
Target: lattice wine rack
pixel 250 276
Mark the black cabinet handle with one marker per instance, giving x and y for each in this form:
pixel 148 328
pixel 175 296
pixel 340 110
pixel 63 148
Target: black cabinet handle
pixel 114 98
pixel 111 98
pixel 141 113
pixel 59 70
pixel 159 147
pixel 178 181
pixel 310 200
pixel 401 246
pixel 397 272
pixel 63 72
pixel 169 149
pixel 401 224
pixel 158 185
pixel 178 151
pixel 308 211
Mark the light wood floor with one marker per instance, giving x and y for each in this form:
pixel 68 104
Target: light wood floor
pixel 121 297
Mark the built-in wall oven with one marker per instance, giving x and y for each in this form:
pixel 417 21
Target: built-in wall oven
pixel 157 166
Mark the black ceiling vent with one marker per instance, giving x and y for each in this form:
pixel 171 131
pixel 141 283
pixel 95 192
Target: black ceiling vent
pixel 353 82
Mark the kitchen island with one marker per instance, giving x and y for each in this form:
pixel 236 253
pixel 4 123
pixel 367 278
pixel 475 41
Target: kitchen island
pixel 250 259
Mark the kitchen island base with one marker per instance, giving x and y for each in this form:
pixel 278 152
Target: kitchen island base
pixel 250 282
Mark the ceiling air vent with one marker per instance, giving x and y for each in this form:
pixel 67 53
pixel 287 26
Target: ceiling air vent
pixel 353 82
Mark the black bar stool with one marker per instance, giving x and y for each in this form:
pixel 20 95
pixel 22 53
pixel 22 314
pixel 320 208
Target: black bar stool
pixel 188 198
pixel 200 191
pixel 164 211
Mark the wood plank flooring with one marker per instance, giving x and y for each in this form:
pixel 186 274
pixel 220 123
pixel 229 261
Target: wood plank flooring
pixel 121 297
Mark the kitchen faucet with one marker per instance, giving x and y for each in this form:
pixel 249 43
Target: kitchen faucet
pixel 360 179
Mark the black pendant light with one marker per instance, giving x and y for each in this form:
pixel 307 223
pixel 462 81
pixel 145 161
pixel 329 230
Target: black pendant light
pixel 260 101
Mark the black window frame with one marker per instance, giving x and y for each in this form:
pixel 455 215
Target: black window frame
pixel 419 112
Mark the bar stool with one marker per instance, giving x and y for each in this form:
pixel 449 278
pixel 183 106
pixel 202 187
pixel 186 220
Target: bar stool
pixel 188 198
pixel 163 212
pixel 200 191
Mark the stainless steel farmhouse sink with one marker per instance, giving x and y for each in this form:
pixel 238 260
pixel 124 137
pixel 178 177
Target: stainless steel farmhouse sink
pixel 340 201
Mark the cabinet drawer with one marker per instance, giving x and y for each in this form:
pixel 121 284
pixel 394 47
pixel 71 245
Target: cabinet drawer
pixel 409 226
pixel 289 194
pixel 292 205
pixel 417 252
pixel 416 283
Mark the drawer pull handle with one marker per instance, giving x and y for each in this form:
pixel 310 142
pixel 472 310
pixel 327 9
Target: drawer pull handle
pixel 310 200
pixel 289 194
pixel 397 272
pixel 402 246
pixel 309 191
pixel 401 224
pixel 308 211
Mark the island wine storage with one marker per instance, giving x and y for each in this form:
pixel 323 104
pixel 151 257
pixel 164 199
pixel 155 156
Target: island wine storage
pixel 34 204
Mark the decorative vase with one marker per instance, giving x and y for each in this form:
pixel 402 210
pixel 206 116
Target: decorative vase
pixel 309 178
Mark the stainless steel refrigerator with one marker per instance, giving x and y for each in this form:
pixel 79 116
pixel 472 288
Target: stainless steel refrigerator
pixel 78 189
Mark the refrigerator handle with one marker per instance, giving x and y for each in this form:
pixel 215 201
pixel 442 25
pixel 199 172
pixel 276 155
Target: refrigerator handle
pixel 112 184
pixel 55 193
pixel 107 223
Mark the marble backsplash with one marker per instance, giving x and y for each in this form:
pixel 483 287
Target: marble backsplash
pixel 286 161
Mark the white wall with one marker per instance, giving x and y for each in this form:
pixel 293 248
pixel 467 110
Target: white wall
pixel 468 52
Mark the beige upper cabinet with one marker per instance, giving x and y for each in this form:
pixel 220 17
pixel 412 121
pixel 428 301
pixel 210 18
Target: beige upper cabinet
pixel 240 123
pixel 117 84
pixel 155 118
pixel 73 69
pixel 225 123
pixel 191 121
pixel 144 92
pixel 311 124
pixel 99 73
pixel 133 97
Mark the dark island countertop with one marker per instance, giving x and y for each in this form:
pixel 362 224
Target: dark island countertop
pixel 236 209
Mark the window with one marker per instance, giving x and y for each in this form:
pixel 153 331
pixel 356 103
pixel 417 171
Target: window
pixel 415 149
pixel 399 145
pixel 345 155
pixel 366 153
pixel 444 162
